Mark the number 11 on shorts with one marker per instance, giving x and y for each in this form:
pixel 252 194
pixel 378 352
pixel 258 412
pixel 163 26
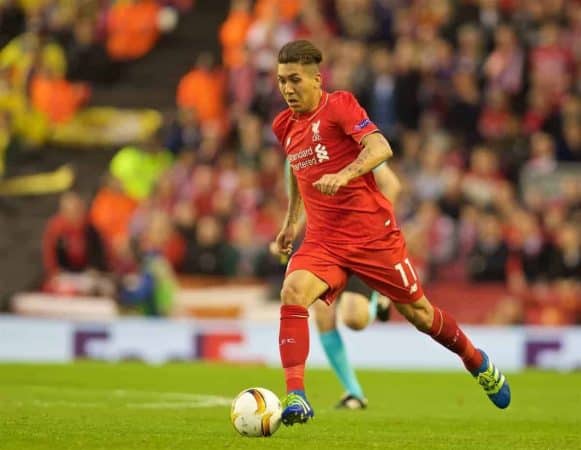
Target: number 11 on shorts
pixel 400 268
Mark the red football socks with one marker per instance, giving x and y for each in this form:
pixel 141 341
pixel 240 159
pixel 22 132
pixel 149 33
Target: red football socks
pixel 445 330
pixel 293 341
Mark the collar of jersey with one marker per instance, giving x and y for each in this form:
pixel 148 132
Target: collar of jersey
pixel 310 115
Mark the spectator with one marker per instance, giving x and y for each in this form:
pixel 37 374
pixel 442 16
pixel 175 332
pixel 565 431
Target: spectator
pixel 504 67
pixel 569 148
pixel 203 89
pixel 439 230
pixel 542 156
pixel 132 29
pixel 233 33
pixel 111 213
pixel 184 132
pixel 495 117
pixel 208 252
pixel 379 97
pixel 152 289
pixel 139 167
pixel 56 98
pixel 407 85
pixel 72 245
pixel 87 57
pixel 23 54
pixel 483 181
pixel 538 112
pixel 469 58
pixel 564 259
pixel 464 108
pixel 431 179
pixel 551 63
pixel 487 261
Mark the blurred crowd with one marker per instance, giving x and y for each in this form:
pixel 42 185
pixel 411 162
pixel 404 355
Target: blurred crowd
pixel 53 51
pixel 480 100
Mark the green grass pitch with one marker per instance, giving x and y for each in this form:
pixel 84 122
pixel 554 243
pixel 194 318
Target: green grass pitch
pixel 186 406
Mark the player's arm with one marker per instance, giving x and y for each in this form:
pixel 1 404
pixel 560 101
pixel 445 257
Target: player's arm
pixel 375 150
pixel 300 223
pixel 295 202
pixel 387 182
pixel 285 238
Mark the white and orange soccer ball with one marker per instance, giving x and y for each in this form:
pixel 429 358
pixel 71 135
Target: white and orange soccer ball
pixel 256 412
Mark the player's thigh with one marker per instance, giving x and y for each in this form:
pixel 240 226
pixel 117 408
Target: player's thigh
pixel 301 287
pixel 354 310
pixel 325 316
pixel 388 270
pixel 323 269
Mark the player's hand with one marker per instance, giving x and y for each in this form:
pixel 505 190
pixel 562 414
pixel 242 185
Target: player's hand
pixel 284 240
pixel 329 184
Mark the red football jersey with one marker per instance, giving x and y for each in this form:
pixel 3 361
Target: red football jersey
pixel 325 141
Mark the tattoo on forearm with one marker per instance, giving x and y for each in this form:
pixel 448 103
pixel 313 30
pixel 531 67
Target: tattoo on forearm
pixel 373 153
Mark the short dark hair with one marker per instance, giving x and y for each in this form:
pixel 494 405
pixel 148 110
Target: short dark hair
pixel 301 52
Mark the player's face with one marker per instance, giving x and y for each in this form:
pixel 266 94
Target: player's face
pixel 300 85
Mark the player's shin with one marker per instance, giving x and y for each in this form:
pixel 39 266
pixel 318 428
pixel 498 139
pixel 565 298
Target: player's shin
pixel 294 345
pixel 445 330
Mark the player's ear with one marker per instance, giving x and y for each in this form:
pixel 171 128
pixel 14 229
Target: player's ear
pixel 318 79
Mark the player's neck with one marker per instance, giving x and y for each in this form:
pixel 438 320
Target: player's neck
pixel 317 102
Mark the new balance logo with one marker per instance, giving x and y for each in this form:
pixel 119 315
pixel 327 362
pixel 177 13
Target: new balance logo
pixel 321 152
pixel 288 341
pixel 414 288
pixel 315 129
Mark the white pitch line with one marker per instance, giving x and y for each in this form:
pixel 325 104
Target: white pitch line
pixel 168 400
pixel 180 405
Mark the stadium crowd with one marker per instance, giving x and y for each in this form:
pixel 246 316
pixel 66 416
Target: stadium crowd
pixel 53 51
pixel 480 100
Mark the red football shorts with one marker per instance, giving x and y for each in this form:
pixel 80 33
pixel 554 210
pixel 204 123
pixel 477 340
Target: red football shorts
pixel 383 265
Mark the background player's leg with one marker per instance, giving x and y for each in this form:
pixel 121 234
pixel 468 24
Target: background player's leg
pixel 300 289
pixel 358 310
pixel 354 310
pixel 326 319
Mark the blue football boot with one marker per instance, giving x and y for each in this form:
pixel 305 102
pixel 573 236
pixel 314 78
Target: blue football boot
pixel 296 409
pixel 493 382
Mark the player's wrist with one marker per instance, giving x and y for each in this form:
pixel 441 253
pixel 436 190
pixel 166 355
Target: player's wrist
pixel 347 174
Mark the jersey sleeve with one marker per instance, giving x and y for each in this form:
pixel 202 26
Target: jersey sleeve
pixel 352 118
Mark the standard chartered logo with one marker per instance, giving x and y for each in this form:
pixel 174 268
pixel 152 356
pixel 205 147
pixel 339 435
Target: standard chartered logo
pixel 321 152
pixel 308 157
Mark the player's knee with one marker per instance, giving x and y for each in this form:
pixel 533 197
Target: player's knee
pixel 422 321
pixel 419 313
pixel 355 323
pixel 291 295
pixel 354 311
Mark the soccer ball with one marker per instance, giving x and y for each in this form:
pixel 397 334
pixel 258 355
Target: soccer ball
pixel 256 412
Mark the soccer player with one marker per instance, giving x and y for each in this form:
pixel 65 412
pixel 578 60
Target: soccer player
pixel 332 146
